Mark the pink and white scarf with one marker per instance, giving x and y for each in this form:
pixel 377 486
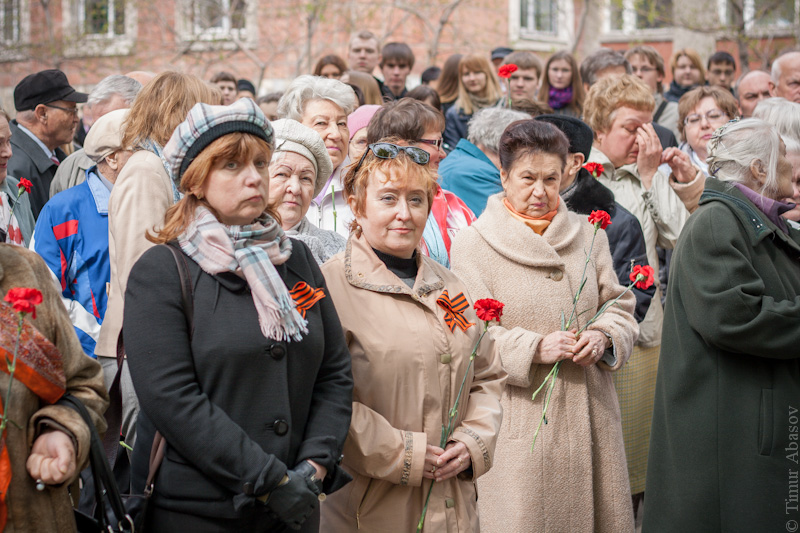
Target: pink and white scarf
pixel 255 249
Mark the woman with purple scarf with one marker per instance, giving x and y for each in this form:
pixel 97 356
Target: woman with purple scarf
pixel 234 346
pixel 562 88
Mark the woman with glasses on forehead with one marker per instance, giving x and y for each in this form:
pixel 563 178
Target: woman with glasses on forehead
pixel 409 356
pixel 700 112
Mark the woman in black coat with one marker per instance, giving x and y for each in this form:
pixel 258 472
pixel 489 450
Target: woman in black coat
pixel 724 446
pixel 252 389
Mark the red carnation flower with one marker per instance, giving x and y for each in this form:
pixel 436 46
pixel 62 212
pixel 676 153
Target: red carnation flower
pixel 506 71
pixel 600 219
pixel 488 309
pixel 24 299
pixel 25 184
pixel 595 169
pixel 643 276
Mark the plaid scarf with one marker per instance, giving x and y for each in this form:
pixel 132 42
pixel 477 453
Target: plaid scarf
pixel 254 249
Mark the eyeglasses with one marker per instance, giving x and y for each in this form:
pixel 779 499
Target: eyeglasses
pixel 71 110
pixel 643 70
pixel 433 142
pixel 715 116
pixel 391 151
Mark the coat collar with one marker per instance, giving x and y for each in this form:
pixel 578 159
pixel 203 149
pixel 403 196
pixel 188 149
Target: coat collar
pixel 609 171
pixel 364 270
pixel 756 223
pixel 467 147
pixel 516 241
pixel 100 192
pixel 31 148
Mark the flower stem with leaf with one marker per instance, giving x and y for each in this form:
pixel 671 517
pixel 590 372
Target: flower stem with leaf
pixel 487 310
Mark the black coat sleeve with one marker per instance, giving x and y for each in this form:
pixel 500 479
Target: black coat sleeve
pixel 332 402
pixel 159 354
pixel 626 241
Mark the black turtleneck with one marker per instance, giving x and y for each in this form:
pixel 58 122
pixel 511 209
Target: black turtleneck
pixel 405 269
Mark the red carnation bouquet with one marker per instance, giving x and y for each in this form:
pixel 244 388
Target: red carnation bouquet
pixel 487 310
pixel 641 277
pixel 24 301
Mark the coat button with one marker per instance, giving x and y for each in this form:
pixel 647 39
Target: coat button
pixel 449 503
pixel 445 358
pixel 277 351
pixel 556 275
pixel 281 427
pixel 247 488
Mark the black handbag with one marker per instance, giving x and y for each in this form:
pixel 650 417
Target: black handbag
pixel 110 514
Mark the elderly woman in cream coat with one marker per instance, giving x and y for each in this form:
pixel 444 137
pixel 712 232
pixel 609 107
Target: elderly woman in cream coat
pixel 299 168
pixel 408 362
pixel 528 251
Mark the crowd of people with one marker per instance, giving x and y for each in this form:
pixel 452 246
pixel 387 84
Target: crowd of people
pixel 282 288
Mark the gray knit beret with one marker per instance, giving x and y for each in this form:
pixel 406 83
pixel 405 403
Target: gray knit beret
pixel 205 124
pixel 291 136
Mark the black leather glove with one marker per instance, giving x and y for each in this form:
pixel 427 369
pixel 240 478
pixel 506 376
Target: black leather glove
pixel 295 500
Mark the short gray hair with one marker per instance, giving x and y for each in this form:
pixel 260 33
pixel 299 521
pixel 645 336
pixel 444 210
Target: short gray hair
pixel 307 88
pixel 487 126
pixel 601 60
pixel 124 86
pixel 737 144
pixel 784 116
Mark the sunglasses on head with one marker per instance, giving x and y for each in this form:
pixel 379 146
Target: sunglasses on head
pixel 391 151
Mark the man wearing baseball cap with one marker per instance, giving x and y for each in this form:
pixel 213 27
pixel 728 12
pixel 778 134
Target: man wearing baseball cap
pixel 47 116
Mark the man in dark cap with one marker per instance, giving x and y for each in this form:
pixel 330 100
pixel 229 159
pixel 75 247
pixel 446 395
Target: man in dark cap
pixel 47 116
pixel 499 54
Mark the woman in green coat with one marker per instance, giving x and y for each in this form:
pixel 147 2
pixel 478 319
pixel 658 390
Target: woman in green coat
pixel 724 444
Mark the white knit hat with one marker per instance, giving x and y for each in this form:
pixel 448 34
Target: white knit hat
pixel 291 136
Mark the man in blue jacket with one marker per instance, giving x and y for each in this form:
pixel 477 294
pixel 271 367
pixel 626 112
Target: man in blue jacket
pixel 71 233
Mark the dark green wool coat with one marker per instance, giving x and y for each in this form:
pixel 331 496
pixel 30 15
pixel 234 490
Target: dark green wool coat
pixel 724 442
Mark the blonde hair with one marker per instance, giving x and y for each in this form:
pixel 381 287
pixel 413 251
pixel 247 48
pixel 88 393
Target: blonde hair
pixel 491 92
pixel 694 57
pixel 162 104
pixel 401 168
pixel 611 93
pixel 235 146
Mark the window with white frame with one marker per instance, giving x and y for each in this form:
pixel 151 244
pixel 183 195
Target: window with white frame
pixel 102 18
pixel 628 16
pixel 773 14
pixel 10 21
pixel 540 16
pixel 217 18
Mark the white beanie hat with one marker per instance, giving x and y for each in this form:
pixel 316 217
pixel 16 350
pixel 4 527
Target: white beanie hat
pixel 291 136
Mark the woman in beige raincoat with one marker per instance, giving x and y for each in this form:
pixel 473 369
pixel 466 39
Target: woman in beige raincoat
pixel 409 356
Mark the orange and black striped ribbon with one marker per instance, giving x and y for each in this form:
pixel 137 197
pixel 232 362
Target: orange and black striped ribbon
pixel 305 297
pixel 453 311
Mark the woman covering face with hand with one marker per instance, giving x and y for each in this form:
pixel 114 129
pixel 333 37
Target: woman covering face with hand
pixel 620 110
pixel 296 175
pixel 251 386
pixel 408 361
pixel 528 251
